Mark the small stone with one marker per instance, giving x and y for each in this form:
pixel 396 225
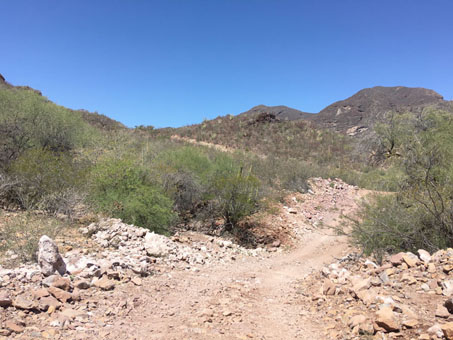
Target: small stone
pixel 104 283
pixel 424 287
pixel 447 268
pixel 431 268
pixel 385 319
pixel 448 330
pixel 436 330
pixel 82 284
pixel 51 309
pixel 410 259
pixel 328 288
pixel 449 305
pixel 60 294
pixel 14 327
pixel 5 300
pixel 24 302
pixel 76 295
pixel 40 293
pixel 62 283
pixel 137 281
pixel 424 255
pixel 46 302
pixel 442 312
pixel 356 320
pixel 396 259
pixel 384 277
pixel 447 287
pixel 411 323
pixel 71 313
pixel 361 284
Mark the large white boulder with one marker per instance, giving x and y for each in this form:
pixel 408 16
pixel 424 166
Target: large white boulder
pixel 49 259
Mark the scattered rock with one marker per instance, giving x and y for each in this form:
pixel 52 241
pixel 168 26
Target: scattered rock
pixel 82 284
pixel 448 330
pixel 5 300
pixel 136 281
pixel 62 283
pixel 410 259
pixel 60 294
pixel 386 320
pixel 49 301
pixel 328 288
pixel 449 305
pixel 442 312
pixel 14 326
pixel 436 330
pixel 397 259
pixel 424 255
pixel 104 283
pixel 24 302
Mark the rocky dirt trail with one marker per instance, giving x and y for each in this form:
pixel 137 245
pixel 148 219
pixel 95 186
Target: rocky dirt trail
pixel 250 298
pixel 200 288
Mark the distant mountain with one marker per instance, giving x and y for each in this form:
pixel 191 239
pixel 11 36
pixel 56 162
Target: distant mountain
pixel 280 112
pixel 360 112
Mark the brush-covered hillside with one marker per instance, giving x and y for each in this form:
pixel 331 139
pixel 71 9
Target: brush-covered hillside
pixel 72 164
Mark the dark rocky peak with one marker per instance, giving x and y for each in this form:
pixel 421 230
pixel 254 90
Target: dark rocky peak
pixel 280 112
pixel 362 110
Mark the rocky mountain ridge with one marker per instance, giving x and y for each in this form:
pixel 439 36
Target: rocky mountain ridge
pixel 361 111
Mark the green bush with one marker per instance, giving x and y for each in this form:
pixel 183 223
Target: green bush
pixel 123 189
pixel 46 180
pixel 236 194
pixel 420 214
pixel 184 173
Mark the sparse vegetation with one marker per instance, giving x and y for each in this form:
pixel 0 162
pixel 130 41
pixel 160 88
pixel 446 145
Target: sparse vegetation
pixel 20 235
pixel 420 213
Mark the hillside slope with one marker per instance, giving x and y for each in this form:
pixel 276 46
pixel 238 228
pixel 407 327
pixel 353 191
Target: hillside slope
pixel 95 119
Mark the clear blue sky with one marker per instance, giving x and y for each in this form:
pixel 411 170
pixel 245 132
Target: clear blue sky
pixel 175 62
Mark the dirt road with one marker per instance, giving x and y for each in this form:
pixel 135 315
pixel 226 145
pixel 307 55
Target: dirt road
pixel 252 298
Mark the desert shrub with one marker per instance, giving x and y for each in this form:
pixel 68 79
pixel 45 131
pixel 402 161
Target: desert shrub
pixel 123 189
pixel 184 173
pixel 236 192
pixel 20 236
pixel 184 188
pixel 420 214
pixel 46 180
